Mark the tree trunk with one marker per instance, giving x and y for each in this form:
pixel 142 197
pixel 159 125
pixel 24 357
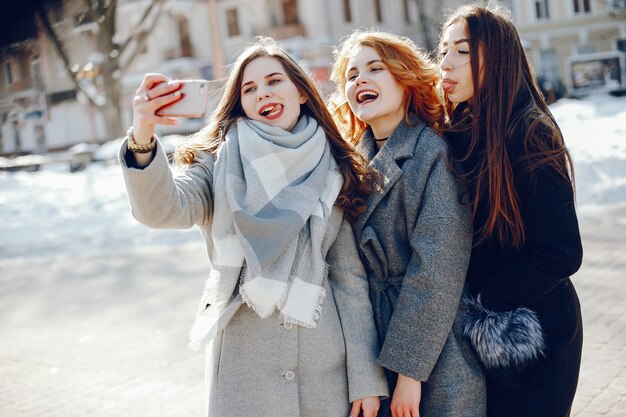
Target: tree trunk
pixel 427 23
pixel 115 58
pixel 109 68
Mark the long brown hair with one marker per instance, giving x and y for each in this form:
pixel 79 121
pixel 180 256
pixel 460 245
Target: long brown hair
pixel 411 68
pixel 358 181
pixel 509 120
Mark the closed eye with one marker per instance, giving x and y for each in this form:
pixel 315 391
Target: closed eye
pixel 352 76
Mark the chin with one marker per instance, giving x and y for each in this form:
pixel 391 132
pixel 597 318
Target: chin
pixel 363 116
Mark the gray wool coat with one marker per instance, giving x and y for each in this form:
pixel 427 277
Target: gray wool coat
pixel 415 240
pixel 264 367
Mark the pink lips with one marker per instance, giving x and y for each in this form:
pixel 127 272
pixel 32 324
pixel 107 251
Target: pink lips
pixel 275 111
pixel 448 85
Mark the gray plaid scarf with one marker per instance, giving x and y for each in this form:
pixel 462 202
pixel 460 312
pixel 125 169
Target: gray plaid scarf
pixel 273 194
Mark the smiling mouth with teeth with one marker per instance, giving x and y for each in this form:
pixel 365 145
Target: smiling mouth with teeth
pixel 271 110
pixel 367 95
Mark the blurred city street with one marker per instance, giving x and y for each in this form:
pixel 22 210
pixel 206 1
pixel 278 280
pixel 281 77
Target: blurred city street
pixel 107 336
pixel 101 337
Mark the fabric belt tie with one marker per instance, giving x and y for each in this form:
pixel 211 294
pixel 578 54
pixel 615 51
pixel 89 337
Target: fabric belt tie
pixel 377 285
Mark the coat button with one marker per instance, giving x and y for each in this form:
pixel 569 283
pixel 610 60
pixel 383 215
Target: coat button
pixel 288 326
pixel 289 375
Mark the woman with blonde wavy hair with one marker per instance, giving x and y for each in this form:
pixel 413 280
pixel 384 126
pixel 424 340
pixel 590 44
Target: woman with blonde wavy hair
pixel 415 236
pixel 272 186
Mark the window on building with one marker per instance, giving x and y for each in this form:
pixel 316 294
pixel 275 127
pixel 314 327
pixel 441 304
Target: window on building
pixel 407 14
pixel 347 11
pixel 618 4
pixel 233 22
pixel 290 11
pixel 379 11
pixel 62 96
pixel 185 40
pixel 542 10
pixel 17 137
pixel 35 70
pixel 582 6
pixel 8 73
pixel 620 45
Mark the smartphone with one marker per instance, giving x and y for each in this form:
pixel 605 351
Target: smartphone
pixel 194 102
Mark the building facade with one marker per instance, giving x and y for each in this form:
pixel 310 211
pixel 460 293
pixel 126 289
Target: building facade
pixel 41 109
pixel 574 44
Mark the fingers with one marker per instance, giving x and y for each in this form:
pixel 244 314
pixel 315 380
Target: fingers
pixel 146 111
pixel 365 407
pixel 163 89
pixel 356 408
pixel 404 411
pixel 150 80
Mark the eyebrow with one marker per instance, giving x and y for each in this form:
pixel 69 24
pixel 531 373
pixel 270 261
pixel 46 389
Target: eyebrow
pixel 456 42
pixel 266 77
pixel 368 63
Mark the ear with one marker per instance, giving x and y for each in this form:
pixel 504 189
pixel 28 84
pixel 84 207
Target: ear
pixel 303 98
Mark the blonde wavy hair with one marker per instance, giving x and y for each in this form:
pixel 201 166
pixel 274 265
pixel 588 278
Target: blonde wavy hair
pixel 412 69
pixel 358 180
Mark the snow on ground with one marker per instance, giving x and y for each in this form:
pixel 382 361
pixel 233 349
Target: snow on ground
pixel 54 213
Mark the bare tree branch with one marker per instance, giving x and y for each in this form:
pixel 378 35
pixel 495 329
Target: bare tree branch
pixel 110 14
pixel 427 23
pixel 141 40
pixel 47 27
pixel 138 31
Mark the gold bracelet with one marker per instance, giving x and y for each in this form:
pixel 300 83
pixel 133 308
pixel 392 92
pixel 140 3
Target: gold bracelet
pixel 134 147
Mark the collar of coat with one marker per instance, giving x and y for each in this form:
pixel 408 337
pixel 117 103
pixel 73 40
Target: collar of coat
pixel 399 147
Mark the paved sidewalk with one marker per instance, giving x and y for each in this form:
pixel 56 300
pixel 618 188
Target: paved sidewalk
pixel 107 337
pixel 601 285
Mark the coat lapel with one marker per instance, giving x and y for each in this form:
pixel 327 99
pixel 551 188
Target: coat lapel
pixel 399 147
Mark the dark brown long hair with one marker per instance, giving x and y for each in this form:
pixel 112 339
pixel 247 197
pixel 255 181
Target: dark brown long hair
pixel 358 180
pixel 411 68
pixel 508 120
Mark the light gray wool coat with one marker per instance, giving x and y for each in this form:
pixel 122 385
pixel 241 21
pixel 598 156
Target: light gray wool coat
pixel 264 368
pixel 415 240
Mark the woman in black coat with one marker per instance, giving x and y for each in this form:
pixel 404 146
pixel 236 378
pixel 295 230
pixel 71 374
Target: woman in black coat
pixel 524 316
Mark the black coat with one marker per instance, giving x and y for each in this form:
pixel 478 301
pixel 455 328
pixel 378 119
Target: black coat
pixel 537 276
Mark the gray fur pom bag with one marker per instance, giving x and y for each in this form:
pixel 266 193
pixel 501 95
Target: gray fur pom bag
pixel 503 339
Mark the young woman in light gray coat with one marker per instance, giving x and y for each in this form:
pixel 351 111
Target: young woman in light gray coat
pixel 415 236
pixel 271 186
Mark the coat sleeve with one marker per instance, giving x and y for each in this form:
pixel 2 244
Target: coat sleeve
pixel 430 295
pixel 159 200
pixel 553 248
pixel 349 285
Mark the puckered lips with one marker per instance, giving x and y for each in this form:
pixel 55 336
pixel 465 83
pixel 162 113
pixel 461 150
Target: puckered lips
pixel 366 96
pixel 272 111
pixel 447 84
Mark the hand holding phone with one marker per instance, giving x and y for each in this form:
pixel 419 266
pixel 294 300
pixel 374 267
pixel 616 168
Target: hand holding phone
pixel 194 101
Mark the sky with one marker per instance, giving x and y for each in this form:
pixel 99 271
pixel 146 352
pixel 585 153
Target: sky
pixel 53 213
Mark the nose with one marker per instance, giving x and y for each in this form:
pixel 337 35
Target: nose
pixel 262 94
pixel 445 64
pixel 360 79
